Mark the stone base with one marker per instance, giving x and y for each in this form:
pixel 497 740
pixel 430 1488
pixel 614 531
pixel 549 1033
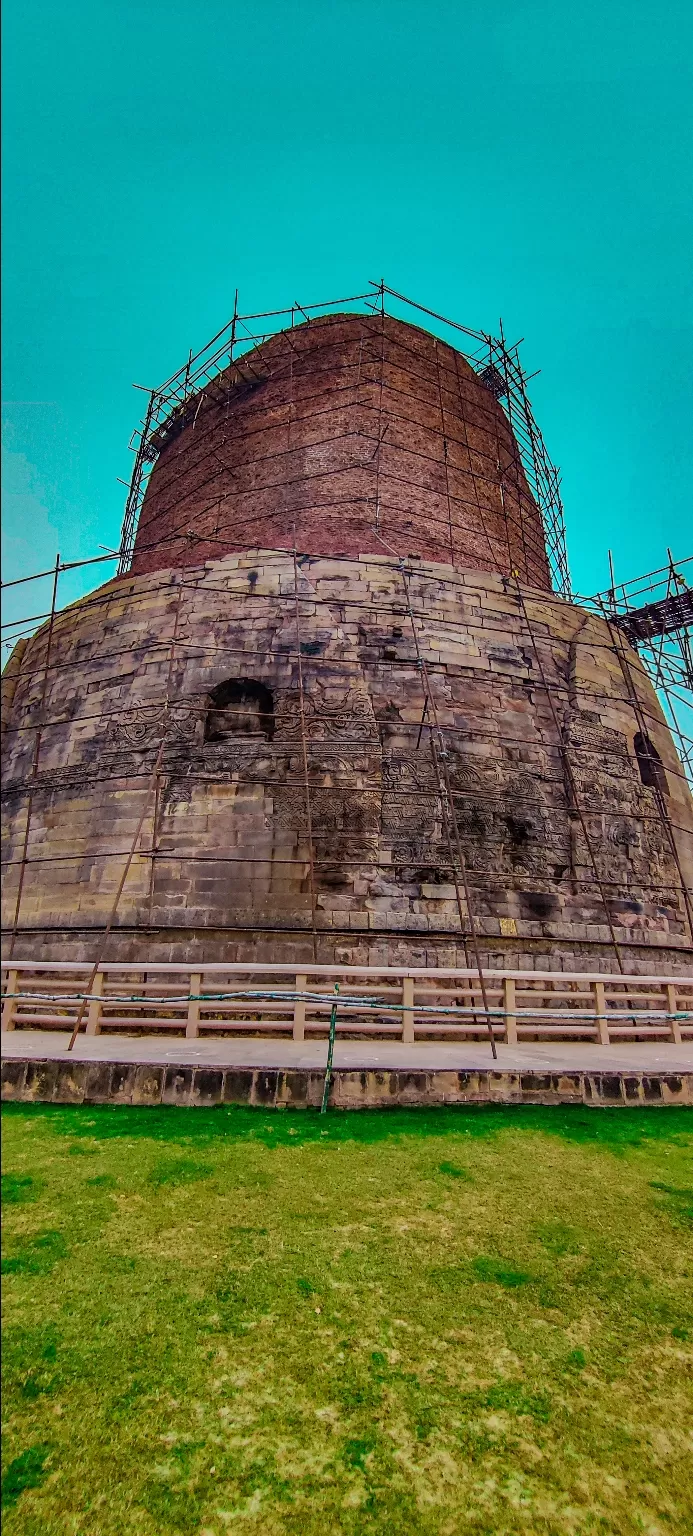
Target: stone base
pixel 289 945
pixel 523 689
pixel 30 1081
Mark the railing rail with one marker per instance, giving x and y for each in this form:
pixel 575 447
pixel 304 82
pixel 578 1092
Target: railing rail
pixel 406 1003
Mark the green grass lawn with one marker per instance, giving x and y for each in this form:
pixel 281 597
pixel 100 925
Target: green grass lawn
pixel 407 1321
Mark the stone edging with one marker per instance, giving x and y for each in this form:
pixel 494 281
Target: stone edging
pixel 85 1082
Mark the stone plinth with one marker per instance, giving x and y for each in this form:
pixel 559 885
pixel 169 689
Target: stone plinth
pixel 223 868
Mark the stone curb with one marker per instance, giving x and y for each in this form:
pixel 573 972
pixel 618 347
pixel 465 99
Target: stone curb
pixel 94 1082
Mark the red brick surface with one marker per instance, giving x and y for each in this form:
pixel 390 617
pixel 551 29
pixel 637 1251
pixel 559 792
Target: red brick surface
pixel 355 435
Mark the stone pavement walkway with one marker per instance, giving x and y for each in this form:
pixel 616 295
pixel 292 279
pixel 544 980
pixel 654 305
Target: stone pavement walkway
pixel 350 1055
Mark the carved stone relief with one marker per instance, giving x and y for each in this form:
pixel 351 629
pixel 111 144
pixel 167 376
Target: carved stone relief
pixel 144 724
pixel 325 719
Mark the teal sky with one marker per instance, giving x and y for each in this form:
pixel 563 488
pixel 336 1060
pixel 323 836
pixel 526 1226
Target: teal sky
pixel 518 159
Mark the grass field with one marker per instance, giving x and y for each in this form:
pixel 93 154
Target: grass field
pixel 473 1321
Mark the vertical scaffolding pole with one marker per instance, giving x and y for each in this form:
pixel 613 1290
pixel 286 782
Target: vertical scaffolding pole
pixel 501 471
pixel 151 786
pixel 445 452
pixel 304 753
pixel 439 753
pixel 234 321
pixel 35 762
pixel 132 505
pixel 330 1053
pixel 568 771
pixel 659 798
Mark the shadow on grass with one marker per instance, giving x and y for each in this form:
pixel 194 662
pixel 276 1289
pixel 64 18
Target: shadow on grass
pixel 26 1471
pixel 39 1255
pixel 615 1129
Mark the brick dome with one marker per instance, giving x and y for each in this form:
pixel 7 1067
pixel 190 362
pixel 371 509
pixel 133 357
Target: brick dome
pixel 352 434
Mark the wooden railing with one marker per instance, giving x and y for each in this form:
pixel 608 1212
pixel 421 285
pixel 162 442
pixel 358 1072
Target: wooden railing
pixel 380 1001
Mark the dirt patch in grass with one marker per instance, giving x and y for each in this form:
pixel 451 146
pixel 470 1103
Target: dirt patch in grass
pixel 446 1321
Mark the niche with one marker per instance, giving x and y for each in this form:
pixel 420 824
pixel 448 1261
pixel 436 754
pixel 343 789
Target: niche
pixel 520 831
pixel 239 707
pixel 538 905
pixel 650 764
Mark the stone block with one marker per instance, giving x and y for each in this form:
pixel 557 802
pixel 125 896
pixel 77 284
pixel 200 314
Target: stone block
pixel 609 1087
pixel 265 1087
pixel 677 1089
pixel 292 1088
pixel 70 1082
pixel 178 1082
pixel 208 1086
pixel 238 1086
pixel 98 1082
pixel 40 1080
pixel 13 1076
pixel 148 1085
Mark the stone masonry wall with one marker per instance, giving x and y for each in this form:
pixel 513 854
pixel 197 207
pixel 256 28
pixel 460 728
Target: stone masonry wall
pixel 223 869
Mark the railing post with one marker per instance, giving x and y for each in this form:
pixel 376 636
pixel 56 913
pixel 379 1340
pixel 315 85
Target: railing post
pixel 9 1007
pixel 94 1014
pixel 599 995
pixel 672 1006
pixel 509 1006
pixel 300 1009
pixel 192 1027
pixel 408 1010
